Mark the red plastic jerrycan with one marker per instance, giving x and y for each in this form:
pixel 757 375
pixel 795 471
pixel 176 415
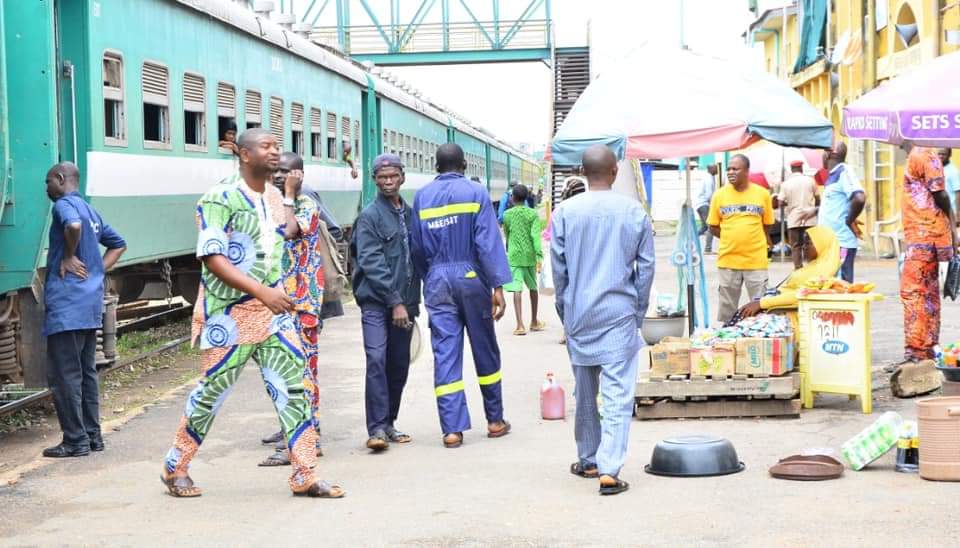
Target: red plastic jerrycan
pixel 552 406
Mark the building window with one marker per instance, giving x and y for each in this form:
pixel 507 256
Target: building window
pixel 386 141
pixel 194 109
pixel 226 112
pixel 332 137
pixel 407 153
pixel 276 120
pixel 393 143
pixel 114 116
pixel 296 128
pixel 316 134
pixel 253 107
pixel 156 106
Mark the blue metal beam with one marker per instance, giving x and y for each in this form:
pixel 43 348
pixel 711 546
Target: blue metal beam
pixel 477 23
pixel 376 22
pixel 456 57
pixel 531 7
pixel 422 11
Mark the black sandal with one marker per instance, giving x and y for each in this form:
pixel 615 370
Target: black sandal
pixel 589 471
pixel 280 458
pixel 397 436
pixel 614 489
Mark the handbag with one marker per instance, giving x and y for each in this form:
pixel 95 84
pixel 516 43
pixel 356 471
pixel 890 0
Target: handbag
pixel 951 287
pixel 334 275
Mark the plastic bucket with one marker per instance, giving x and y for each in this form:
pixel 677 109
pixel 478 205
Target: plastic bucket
pixel 939 421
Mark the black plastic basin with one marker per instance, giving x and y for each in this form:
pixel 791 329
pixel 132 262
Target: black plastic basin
pixel 694 456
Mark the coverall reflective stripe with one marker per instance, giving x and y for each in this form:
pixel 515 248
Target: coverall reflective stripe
pixel 458 250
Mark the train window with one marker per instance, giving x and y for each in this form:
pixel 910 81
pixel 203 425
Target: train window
pixel 194 107
pixel 253 107
pixel 276 120
pixel 114 116
pixel 296 128
pixel 332 136
pixel 155 80
pixel 316 134
pixel 226 112
pixel 356 139
pixel 345 137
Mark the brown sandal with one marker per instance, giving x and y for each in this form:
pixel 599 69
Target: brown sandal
pixel 181 486
pixel 322 490
pixel 500 432
pixel 454 440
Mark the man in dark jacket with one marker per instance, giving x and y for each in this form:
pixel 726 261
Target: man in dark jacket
pixel 387 289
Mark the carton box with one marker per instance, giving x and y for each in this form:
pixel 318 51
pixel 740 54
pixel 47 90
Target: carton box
pixel 718 360
pixel 764 356
pixel 671 356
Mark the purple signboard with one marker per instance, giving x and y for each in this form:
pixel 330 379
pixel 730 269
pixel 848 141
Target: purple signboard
pixel 927 125
pixel 878 126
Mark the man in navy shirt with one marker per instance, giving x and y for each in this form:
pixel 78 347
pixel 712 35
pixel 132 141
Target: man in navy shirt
pixel 73 296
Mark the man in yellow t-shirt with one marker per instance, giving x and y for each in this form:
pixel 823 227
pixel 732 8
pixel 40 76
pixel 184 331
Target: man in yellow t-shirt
pixel 739 215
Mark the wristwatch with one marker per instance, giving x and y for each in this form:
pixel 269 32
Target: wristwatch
pixel 289 202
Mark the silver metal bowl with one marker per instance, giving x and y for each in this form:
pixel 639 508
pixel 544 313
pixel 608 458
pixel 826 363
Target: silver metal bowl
pixel 654 329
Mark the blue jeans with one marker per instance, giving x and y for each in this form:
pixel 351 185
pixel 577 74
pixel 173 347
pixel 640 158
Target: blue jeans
pixel 388 361
pixel 604 443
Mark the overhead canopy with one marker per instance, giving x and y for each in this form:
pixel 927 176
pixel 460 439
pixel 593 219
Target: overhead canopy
pixel 920 106
pixel 664 103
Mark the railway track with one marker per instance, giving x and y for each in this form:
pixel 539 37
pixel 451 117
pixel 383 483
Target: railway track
pixel 131 317
pixel 13 400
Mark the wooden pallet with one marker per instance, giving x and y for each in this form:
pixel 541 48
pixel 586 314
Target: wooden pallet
pixel 719 408
pixel 698 388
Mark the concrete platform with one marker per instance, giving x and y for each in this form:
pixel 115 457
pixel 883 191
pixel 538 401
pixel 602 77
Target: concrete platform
pixel 510 491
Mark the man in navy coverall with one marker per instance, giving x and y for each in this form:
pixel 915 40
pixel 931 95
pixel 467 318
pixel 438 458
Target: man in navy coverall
pixel 460 256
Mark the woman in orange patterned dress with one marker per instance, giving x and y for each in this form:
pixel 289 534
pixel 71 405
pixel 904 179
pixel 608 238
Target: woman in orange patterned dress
pixel 928 232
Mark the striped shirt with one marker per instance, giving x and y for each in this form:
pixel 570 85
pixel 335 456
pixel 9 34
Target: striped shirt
pixel 603 262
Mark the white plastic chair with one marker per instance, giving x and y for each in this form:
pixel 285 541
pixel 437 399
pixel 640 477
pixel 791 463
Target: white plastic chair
pixel 894 236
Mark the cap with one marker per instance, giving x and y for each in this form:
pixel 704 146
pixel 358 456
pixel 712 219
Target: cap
pixel 796 163
pixel 386 160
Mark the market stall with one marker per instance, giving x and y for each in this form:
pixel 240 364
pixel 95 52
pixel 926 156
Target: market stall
pixel 639 121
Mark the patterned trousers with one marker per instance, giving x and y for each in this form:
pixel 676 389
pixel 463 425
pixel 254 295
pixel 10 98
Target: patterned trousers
pixel 920 295
pixel 281 365
pixel 309 328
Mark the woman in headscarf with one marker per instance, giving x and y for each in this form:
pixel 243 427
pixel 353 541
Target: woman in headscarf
pixel 821 251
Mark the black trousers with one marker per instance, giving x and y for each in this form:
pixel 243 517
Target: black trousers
pixel 72 377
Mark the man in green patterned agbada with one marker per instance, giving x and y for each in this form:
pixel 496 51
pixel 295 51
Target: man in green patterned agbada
pixel 242 312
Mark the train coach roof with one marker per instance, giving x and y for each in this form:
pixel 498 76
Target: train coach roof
pixel 239 17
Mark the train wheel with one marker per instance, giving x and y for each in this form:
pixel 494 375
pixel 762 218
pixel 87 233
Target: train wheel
pixel 188 284
pixel 129 288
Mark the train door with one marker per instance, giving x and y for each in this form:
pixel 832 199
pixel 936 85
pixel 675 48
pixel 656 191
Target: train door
pixel 372 140
pixel 30 147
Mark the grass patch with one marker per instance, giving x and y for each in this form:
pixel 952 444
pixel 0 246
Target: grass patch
pixel 137 342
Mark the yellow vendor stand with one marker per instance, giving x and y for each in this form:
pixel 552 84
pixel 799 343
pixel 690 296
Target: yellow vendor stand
pixel 834 340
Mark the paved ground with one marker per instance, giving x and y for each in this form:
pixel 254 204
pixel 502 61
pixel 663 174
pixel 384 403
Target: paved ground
pixel 514 490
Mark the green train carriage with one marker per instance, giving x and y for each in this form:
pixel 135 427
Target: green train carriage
pixel 137 93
